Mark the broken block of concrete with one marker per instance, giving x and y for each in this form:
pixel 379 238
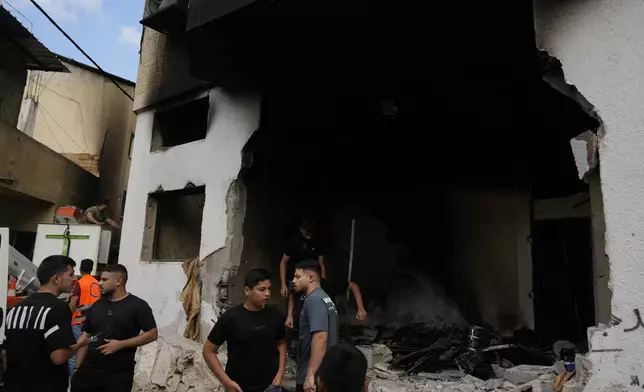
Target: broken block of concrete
pixel 173 364
pixel 376 353
pixel 573 387
pixel 477 382
pixel 523 374
pixel 493 384
pixel 447 375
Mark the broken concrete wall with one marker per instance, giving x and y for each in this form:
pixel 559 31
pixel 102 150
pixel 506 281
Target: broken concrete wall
pixel 601 47
pixel 489 229
pixel 214 162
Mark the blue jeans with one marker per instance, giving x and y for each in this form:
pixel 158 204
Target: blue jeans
pixel 77 329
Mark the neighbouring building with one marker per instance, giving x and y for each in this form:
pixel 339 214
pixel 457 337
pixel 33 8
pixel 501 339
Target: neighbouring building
pixel 85 117
pixel 490 155
pixel 34 179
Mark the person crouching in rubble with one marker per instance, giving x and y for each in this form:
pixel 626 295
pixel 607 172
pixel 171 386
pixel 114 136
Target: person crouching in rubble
pixel 343 369
pixel 255 335
pixel 319 329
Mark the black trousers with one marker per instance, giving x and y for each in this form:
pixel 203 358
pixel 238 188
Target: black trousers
pixel 89 379
pixel 299 388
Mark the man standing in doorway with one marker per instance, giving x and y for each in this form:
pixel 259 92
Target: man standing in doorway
pixel 98 215
pixel 254 332
pixel 319 328
pixel 306 245
pixel 86 291
pixel 117 323
pixel 39 339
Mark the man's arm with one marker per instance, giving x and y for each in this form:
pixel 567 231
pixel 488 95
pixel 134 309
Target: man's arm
pixel 80 357
pixel 63 355
pixel 112 223
pixel 210 356
pixel 318 349
pixel 318 315
pixel 145 322
pixel 291 309
pixel 279 377
pixel 283 264
pixel 90 217
pixel 322 265
pixel 355 290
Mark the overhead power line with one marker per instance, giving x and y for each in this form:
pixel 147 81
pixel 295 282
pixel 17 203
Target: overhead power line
pixel 80 49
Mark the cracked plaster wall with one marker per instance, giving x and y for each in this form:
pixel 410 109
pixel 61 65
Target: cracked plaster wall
pixel 601 46
pixel 214 162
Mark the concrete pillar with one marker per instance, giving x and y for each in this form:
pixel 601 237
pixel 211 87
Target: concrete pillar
pixel 601 46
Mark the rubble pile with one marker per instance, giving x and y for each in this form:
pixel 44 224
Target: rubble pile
pixel 421 358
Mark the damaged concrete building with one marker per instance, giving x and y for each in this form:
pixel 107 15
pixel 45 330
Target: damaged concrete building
pixel 464 140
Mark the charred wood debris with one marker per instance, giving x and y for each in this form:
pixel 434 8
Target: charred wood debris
pixel 477 351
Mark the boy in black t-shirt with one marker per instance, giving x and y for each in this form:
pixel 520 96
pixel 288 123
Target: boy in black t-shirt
pixel 39 338
pixel 254 333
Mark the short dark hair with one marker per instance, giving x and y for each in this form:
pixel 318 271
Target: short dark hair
pixel 117 269
pixel 87 266
pixel 104 202
pixel 308 225
pixel 255 277
pixel 309 265
pixel 344 368
pixel 52 266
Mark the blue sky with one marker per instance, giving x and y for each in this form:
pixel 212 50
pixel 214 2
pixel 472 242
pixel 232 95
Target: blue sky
pixel 108 30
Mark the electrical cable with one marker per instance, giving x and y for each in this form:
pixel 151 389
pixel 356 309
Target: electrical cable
pixel 65 132
pixel 62 151
pixel 79 48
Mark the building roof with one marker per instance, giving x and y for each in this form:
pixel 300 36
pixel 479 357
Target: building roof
pixel 35 55
pixel 97 71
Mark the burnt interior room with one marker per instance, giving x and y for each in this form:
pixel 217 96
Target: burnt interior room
pixel 437 136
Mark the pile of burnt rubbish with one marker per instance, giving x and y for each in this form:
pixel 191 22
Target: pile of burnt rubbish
pixel 457 355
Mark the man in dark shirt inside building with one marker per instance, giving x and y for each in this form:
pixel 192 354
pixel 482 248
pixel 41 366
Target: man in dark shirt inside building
pixel 319 329
pixel 117 323
pixel 254 332
pixel 39 338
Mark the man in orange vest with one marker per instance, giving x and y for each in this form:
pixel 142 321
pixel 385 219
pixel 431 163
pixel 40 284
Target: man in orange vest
pixel 86 291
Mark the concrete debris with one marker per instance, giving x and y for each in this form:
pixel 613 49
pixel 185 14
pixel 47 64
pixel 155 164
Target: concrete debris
pixel 573 387
pixel 493 384
pixel 523 374
pixel 376 353
pixel 174 364
pixel 447 375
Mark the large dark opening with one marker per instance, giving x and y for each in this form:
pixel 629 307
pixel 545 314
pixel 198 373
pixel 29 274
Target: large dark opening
pixel 440 188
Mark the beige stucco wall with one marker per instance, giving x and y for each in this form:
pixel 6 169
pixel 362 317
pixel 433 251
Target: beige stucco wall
pixel 83 112
pixel 42 180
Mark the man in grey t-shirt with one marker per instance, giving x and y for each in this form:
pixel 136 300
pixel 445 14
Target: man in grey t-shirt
pixel 319 328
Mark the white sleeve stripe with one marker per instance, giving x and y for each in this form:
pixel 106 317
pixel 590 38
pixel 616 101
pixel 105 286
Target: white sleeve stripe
pixel 23 317
pixel 16 317
pixel 38 317
pixel 44 318
pixel 31 309
pixel 51 330
pixel 9 316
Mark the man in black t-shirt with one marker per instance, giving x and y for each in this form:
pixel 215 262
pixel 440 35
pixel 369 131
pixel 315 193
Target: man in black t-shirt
pixel 117 323
pixel 254 333
pixel 304 246
pixel 39 338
